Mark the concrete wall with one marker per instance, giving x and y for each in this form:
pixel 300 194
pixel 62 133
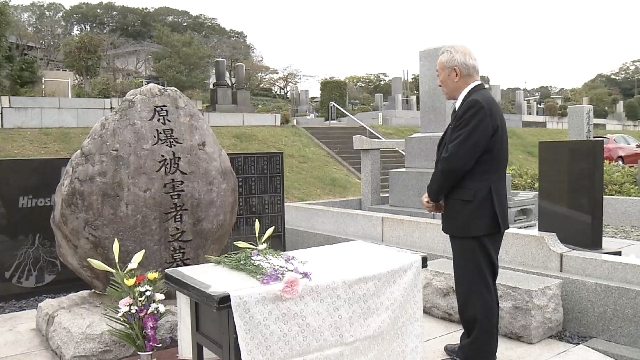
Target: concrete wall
pixel 554 122
pixel 600 293
pixel 53 112
pixel 616 210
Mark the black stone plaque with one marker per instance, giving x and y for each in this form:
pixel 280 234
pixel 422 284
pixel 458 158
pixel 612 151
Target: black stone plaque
pixel 570 191
pixel 28 258
pixel 260 196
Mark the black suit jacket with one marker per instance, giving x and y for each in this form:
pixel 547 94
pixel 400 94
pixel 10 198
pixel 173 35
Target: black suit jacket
pixel 470 169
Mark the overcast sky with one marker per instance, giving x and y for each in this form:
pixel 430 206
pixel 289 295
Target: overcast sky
pixel 561 42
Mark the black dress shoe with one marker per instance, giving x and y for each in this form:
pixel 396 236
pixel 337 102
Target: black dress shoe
pixel 451 350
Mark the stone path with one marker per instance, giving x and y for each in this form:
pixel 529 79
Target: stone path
pixel 19 340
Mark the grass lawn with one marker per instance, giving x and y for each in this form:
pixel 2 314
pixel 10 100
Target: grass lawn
pixel 310 173
pixel 523 143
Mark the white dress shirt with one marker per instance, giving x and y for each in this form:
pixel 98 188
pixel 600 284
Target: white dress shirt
pixel 465 92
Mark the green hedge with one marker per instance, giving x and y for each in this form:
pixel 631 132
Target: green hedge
pixel 619 180
pixel 332 90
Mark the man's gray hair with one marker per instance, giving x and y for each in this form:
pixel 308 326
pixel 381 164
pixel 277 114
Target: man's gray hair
pixel 461 57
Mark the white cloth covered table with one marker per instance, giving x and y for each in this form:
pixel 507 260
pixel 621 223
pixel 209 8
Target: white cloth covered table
pixel 364 302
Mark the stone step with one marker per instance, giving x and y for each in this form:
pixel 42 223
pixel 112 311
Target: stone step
pixel 530 305
pixel 616 351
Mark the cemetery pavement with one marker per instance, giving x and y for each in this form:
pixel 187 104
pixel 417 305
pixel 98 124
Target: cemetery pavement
pixel 19 340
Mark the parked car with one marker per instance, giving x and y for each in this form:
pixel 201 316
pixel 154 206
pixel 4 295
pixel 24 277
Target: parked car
pixel 621 148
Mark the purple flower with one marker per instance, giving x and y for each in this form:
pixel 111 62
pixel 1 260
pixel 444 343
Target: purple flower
pixel 254 253
pixel 150 323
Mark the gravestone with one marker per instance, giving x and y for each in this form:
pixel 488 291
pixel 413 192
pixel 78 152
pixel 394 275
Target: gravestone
pixel 496 93
pixel 304 107
pixel 28 259
pixel 521 105
pixel 580 119
pixel 378 102
pixel 240 96
pixel 413 103
pixel 570 193
pixel 260 196
pixel 221 96
pixel 407 185
pixel 153 175
pixel 395 100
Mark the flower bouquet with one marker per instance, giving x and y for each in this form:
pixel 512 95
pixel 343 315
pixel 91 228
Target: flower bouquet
pixel 264 264
pixel 137 307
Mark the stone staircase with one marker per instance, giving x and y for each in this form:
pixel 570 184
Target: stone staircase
pixel 339 140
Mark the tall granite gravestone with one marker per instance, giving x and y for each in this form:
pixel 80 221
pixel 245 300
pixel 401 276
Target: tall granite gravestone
pixel 407 185
pixel 305 105
pixel 153 175
pixel 221 93
pixel 580 119
pixel 395 100
pixel 570 191
pixel 496 93
pixel 521 104
pixel 240 96
pixel 378 102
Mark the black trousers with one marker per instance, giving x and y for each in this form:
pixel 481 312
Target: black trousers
pixel 475 266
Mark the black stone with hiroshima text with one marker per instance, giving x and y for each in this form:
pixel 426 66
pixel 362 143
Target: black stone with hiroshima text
pixel 260 196
pixel 570 193
pixel 28 260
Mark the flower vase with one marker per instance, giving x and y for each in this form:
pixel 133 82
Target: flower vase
pixel 146 355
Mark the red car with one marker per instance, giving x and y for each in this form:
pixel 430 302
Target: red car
pixel 621 148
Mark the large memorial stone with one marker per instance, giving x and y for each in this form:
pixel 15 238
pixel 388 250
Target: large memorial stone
pixel 570 191
pixel 530 305
pixel 153 175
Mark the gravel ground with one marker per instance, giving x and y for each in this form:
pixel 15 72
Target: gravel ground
pixel 26 304
pixel 570 338
pixel 622 232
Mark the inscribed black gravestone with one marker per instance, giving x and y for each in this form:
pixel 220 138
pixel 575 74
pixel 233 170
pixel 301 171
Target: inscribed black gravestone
pixel 570 191
pixel 153 175
pixel 28 259
pixel 260 196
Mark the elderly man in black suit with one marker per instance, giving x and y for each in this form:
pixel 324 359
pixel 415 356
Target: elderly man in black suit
pixel 468 187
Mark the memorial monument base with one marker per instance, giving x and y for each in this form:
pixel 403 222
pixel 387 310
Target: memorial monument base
pixel 221 96
pixel 406 187
pixel 241 97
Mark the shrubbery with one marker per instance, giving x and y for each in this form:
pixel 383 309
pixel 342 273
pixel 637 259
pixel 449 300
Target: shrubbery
pixel 619 180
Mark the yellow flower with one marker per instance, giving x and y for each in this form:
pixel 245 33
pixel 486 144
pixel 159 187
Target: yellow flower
pixel 152 275
pixel 129 282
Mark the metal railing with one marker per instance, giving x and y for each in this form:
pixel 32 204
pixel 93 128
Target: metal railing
pixel 367 127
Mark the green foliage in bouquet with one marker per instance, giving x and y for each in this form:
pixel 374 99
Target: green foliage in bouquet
pixel 259 261
pixel 137 306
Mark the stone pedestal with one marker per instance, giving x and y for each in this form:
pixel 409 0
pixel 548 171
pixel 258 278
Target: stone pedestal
pixel 221 96
pixel 241 97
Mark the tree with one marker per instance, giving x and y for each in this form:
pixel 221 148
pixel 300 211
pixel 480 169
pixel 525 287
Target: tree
pixel 284 79
pixel 183 61
pixel 485 80
pixel 83 55
pixel 43 23
pixel 632 110
pixel 371 84
pixel 551 108
pixel 257 74
pixel 6 21
pixel 332 90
